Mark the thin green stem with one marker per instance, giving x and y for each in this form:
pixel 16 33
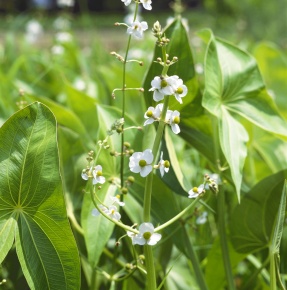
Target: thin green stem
pixel 155 148
pixel 194 260
pixel 120 224
pixel 124 103
pixel 273 285
pixel 151 279
pixel 177 216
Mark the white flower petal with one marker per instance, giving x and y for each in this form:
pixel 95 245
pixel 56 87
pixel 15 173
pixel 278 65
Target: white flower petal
pixel 175 128
pixel 148 156
pixel 157 96
pixel 146 170
pixel 155 237
pixel 146 227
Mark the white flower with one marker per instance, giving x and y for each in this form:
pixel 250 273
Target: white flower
pixel 202 219
pixel 68 3
pixel 162 87
pixel 146 235
pixel 137 28
pixel 127 2
pixel 117 200
pixel 111 212
pixel 163 165
pixel 97 174
pixel 180 90
pixel 33 31
pixel 153 114
pixel 63 37
pixel 173 120
pixel 57 49
pixel 86 173
pixel 196 191
pixel 62 23
pixel 146 4
pixel 140 162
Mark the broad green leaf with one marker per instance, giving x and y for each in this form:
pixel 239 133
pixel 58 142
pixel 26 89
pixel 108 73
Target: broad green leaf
pixel 233 81
pixel 233 138
pixel 31 201
pixel 98 230
pixel 273 65
pixel 233 84
pixel 252 221
pixel 184 68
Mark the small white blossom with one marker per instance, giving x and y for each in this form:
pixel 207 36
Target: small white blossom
pixel 116 199
pixel 111 212
pixel 202 219
pixel 196 191
pixel 146 4
pixel 63 3
pixel 140 162
pixel 163 165
pixel 127 2
pixel 97 174
pixel 86 173
pixel 62 23
pixel 162 87
pixel 33 31
pixel 173 118
pixel 180 90
pixel 146 235
pixel 137 28
pixel 63 37
pixel 153 114
pixel 57 49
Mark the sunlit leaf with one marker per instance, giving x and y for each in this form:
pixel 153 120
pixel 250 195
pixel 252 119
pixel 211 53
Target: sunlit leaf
pixel 32 206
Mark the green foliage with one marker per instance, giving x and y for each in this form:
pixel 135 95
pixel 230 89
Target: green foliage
pixel 231 124
pixel 32 205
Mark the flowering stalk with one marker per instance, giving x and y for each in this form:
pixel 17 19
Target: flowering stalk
pixel 156 144
pixel 124 101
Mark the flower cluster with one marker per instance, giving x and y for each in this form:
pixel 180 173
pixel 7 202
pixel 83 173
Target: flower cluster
pixel 146 235
pixel 172 118
pixel 167 86
pixel 95 173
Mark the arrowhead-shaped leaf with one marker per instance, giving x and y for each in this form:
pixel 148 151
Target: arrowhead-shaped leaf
pixel 32 207
pixel 233 84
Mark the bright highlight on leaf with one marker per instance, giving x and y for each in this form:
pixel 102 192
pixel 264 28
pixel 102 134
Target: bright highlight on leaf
pixel 32 208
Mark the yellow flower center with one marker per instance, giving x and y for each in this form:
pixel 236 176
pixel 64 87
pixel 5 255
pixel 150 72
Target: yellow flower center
pixel 166 164
pixel 195 189
pixel 149 114
pixel 99 173
pixel 179 91
pixel 176 120
pixel 147 235
pixel 118 196
pixel 163 83
pixel 142 163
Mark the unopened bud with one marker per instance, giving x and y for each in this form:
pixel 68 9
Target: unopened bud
pixel 124 190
